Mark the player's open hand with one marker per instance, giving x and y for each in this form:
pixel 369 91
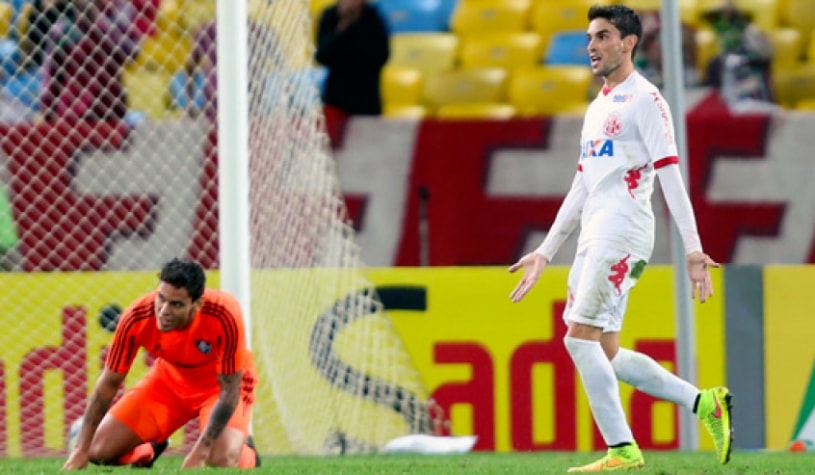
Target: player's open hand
pixel 77 460
pixel 698 270
pixel 533 265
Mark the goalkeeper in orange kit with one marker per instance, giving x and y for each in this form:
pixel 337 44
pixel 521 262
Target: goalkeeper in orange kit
pixel 202 370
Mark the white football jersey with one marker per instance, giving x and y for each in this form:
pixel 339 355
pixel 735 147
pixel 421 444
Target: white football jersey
pixel 627 134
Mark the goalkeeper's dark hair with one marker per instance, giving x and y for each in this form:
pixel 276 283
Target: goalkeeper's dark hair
pixel 187 274
pixel 623 18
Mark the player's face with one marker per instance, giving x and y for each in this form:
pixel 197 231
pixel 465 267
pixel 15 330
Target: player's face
pixel 174 307
pixel 607 49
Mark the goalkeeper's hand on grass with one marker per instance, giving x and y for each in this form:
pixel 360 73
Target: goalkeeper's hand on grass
pixel 77 460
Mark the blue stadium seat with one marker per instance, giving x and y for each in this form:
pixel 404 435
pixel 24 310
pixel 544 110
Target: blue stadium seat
pixel 411 15
pixel 9 57
pixel 179 97
pixel 25 86
pixel 567 48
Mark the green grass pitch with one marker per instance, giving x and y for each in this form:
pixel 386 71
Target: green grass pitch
pixel 662 463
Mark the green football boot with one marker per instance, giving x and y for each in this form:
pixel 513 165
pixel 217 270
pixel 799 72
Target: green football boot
pixel 714 411
pixel 628 457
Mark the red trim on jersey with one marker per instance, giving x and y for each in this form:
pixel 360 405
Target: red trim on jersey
pixel 606 90
pixel 665 161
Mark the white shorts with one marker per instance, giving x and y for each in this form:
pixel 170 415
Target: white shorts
pixel 599 282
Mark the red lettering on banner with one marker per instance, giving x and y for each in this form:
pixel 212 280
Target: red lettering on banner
pixel 642 405
pixel 466 226
pixel 478 392
pixel 60 229
pixel 70 358
pixel 523 360
pixel 713 132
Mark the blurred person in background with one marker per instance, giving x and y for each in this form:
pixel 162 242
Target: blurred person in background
pixel 353 44
pixel 741 72
pixel 85 56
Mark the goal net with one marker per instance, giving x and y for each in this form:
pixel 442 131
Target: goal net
pixel 110 168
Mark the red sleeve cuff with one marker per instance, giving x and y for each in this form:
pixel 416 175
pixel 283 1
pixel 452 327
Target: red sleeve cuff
pixel 665 161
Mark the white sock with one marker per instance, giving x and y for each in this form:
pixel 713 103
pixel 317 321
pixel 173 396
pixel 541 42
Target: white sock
pixel 601 388
pixel 645 374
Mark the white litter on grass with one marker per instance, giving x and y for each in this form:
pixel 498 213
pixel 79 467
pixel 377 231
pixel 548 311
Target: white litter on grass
pixel 430 444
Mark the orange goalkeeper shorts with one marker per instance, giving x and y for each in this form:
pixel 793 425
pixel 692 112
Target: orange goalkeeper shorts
pixel 155 408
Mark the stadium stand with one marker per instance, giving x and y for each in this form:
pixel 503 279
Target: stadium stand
pixel 550 90
pixel 505 49
pixel 144 94
pixel 794 86
pixel 401 86
pixel 707 48
pixel 403 16
pixel 549 18
pixel 484 85
pixel 788 47
pixel 401 111
pixel 428 52
pixel 568 48
pixel 6 16
pixel 476 110
pixel 479 16
pixel 446 9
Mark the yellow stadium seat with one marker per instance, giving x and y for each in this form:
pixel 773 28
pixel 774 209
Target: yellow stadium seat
pixel 795 85
pixel 6 14
pixel 476 110
pixel 800 14
pixel 428 52
pixel 195 13
pixel 164 52
pixel 464 85
pixel 787 47
pixel 707 48
pixel 404 111
pixel 147 92
pixel 168 18
pixel 508 49
pixel 811 48
pixel 548 18
pixel 806 105
pixel 550 90
pixel 478 16
pixel 23 18
pixel 401 85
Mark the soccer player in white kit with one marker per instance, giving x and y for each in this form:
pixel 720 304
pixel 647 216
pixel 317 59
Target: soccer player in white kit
pixel 626 141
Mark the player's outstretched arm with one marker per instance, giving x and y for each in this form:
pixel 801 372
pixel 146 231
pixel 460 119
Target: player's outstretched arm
pixel 533 265
pixel 699 265
pixel 98 404
pixel 221 413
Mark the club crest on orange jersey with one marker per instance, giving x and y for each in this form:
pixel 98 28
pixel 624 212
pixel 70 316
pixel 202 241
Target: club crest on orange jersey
pixel 203 346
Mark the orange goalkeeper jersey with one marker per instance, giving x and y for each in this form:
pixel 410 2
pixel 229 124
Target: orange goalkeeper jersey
pixel 214 343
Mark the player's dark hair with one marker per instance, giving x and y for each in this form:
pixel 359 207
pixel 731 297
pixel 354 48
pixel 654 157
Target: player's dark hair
pixel 623 18
pixel 184 273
